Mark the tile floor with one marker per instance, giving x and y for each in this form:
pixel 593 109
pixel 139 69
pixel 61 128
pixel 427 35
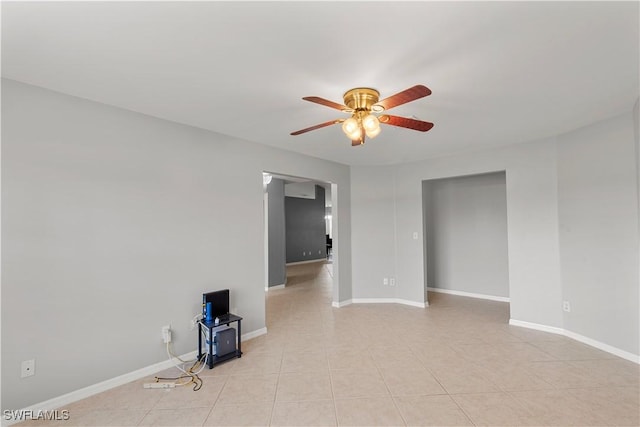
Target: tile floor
pixel 455 363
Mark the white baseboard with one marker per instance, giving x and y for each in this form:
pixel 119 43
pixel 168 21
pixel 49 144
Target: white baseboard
pixel 536 326
pixel 254 334
pixel 272 288
pixel 338 304
pixel 581 338
pixel 83 393
pixel 307 262
pixel 604 347
pixel 388 301
pixel 469 294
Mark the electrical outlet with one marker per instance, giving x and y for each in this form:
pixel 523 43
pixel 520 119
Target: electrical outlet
pixel 166 334
pixel 392 281
pixel 385 281
pixel 28 368
pixel 195 320
pixel 566 306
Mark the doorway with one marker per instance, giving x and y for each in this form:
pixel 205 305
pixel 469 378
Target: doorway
pixel 465 236
pixel 300 217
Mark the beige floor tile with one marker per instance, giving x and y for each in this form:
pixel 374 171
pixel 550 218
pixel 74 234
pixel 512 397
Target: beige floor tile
pixel 249 388
pixel 558 407
pixel 316 361
pixel 618 406
pixel 175 417
pixel 186 397
pixel 463 379
pixel 401 357
pixel 610 372
pixel 347 358
pixel 257 364
pixel 128 396
pixel 347 384
pixel 334 358
pixel 561 374
pixel 244 414
pixel 409 381
pixel 572 350
pixel 110 417
pixel 220 369
pixel 368 412
pixel 431 411
pixel 304 386
pixel 93 417
pixel 307 413
pixel 514 377
pixel 493 409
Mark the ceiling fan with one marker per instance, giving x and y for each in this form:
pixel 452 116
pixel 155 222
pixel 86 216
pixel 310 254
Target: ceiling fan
pixel 361 102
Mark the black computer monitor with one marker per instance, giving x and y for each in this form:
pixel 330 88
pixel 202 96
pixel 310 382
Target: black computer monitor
pixel 219 303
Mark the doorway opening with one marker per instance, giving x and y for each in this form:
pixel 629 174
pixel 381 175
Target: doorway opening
pixel 465 236
pixel 300 233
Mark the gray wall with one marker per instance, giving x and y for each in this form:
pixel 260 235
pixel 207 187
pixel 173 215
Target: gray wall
pixel 114 223
pixel 390 214
pixel 598 211
pixel 466 234
pixel 277 236
pixel 305 227
pixel 547 182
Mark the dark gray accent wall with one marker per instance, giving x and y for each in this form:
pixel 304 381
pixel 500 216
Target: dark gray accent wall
pixel 305 228
pixel 277 263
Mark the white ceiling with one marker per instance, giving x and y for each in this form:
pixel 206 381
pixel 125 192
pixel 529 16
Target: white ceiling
pixel 500 72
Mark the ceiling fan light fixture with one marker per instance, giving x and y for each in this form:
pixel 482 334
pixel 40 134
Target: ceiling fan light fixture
pixel 361 102
pixel 371 125
pixel 351 127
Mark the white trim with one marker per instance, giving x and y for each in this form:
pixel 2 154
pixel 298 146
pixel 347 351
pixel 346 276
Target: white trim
pixel 604 347
pixel 388 301
pixel 307 262
pixel 83 393
pixel 581 338
pixel 469 294
pixel 272 288
pixel 536 326
pixel 65 399
pixel 338 304
pixel 254 334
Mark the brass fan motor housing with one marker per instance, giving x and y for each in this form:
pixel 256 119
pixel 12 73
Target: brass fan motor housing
pixel 361 98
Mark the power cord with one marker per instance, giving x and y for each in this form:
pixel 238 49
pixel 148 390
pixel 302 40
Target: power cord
pixel 190 374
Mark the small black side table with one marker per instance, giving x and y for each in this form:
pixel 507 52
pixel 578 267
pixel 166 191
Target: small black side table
pixel 212 359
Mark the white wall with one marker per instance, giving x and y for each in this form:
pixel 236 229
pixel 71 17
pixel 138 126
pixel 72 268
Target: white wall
pixel 598 211
pixel 466 220
pixel 114 223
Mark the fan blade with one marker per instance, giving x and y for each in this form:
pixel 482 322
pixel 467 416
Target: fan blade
pixel 405 122
pixel 326 103
pixel 321 125
pixel 405 96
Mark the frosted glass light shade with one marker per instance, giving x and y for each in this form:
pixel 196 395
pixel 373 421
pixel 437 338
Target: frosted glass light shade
pixel 371 125
pixel 350 126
